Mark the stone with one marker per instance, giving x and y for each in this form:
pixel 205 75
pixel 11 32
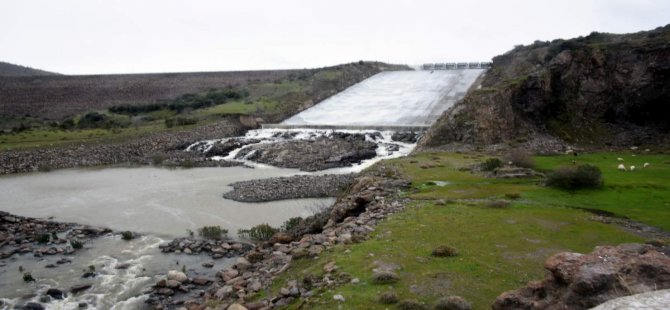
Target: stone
pixel 172 284
pixel 452 303
pixel 236 307
pixel 339 298
pixel 281 237
pixel 208 265
pixel 651 300
pixel 55 293
pixel 242 264
pixel 165 292
pixel 32 306
pixel 224 292
pixel 80 288
pixel 201 281
pixel 177 276
pixel 330 267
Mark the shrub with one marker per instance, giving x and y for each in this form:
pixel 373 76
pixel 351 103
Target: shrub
pixel 520 158
pixel 42 238
pixel 262 232
pixel 385 277
pixel 212 232
pixel 27 277
pixel 513 195
pixel 388 298
pixel 444 251
pixel 497 204
pixel 290 223
pixel 127 235
pixel 411 304
pixel 452 303
pixel 491 164
pixel 76 244
pixel 580 177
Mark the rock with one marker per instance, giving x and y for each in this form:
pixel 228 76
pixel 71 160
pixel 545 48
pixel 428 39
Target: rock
pixel 576 281
pixel 242 264
pixel 208 265
pixel 330 267
pixel 650 300
pixel 55 293
pixel 224 292
pixel 299 186
pixel 315 250
pixel 201 281
pixel 385 277
pixel 80 288
pixel 355 281
pixel 444 251
pixel 32 306
pixel 339 298
pixel 173 284
pixel 165 292
pixel 281 237
pixel 236 307
pixel 177 276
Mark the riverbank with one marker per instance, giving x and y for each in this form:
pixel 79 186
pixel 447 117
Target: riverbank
pixel 299 186
pixel 164 148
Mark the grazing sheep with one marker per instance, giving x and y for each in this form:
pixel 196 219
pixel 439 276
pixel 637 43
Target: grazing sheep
pixel 619 159
pixel 645 165
pixel 632 168
pixel 621 167
pixel 568 152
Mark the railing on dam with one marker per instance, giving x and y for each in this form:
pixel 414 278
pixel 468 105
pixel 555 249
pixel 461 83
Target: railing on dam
pixel 456 65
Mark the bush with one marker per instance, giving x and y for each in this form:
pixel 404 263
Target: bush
pixel 580 177
pixel 444 251
pixel 290 223
pixel 520 158
pixel 262 232
pixel 385 277
pixel 410 304
pixel 452 303
pixel 212 232
pixel 27 277
pixel 42 238
pixel 127 235
pixel 388 298
pixel 76 244
pixel 491 164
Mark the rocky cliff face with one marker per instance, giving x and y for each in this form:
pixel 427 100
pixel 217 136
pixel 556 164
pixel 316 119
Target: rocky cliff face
pixel 598 90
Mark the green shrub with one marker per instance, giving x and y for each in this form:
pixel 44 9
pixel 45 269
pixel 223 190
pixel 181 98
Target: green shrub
pixel 411 304
pixel 42 238
pixel 127 235
pixel 262 232
pixel 76 244
pixel 452 303
pixel 444 251
pixel 385 277
pixel 27 277
pixel 491 164
pixel 212 232
pixel 290 223
pixel 388 298
pixel 579 177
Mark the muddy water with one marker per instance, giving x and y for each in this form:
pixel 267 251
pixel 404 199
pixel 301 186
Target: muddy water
pixel 160 203
pixel 164 202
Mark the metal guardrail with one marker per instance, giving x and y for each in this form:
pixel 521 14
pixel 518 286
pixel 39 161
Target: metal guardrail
pixel 456 65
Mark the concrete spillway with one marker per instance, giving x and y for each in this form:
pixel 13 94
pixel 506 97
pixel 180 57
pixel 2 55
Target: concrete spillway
pixel 389 100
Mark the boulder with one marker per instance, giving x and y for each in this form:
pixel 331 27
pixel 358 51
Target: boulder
pixel 576 281
pixel 177 276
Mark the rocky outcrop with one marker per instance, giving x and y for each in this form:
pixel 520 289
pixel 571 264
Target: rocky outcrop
pixel 599 90
pixel 298 186
pixel 336 150
pixel 656 300
pixel 578 281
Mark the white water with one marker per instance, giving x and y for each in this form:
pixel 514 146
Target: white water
pixel 395 98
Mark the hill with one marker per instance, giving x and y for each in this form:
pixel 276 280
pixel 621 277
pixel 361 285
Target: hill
pixel 7 69
pixel 597 91
pixel 56 97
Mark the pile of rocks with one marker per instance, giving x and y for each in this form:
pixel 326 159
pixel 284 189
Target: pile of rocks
pixel 22 235
pixel 578 281
pixel 370 199
pixel 299 186
pixel 215 248
pixel 337 150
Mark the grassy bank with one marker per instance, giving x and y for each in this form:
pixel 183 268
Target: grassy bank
pixel 501 245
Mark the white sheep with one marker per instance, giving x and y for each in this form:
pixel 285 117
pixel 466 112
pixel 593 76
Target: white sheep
pixel 632 168
pixel 569 151
pixel 619 159
pixel 645 165
pixel 621 167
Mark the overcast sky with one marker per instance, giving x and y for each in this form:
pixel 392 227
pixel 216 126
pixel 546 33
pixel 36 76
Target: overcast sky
pixel 95 36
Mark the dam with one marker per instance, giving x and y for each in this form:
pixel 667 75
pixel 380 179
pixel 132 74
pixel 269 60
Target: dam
pixel 391 100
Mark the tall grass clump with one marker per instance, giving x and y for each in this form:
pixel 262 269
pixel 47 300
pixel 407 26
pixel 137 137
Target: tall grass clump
pixel 213 232
pixel 491 164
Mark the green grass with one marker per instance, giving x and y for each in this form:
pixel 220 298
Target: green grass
pixel 500 248
pixel 238 107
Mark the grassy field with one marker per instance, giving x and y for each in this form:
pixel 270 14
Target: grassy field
pixel 499 248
